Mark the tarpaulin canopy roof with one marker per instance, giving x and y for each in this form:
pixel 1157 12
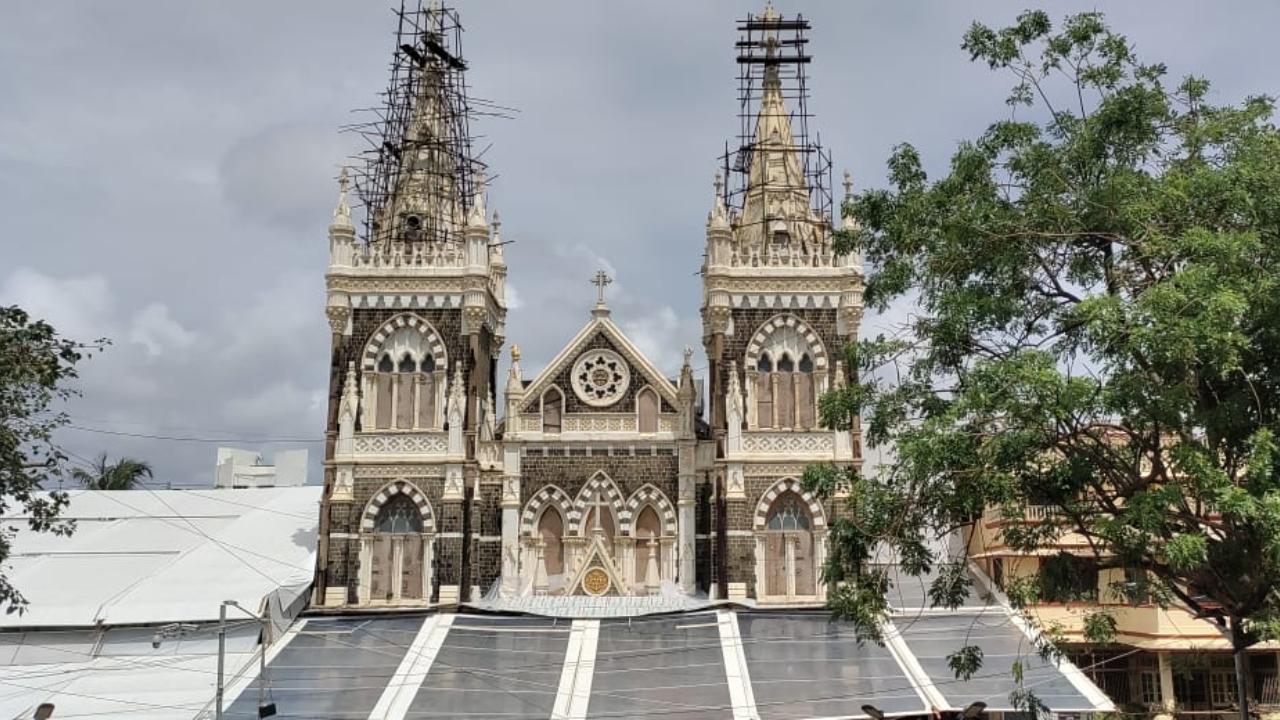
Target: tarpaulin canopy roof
pixel 774 665
pixel 141 556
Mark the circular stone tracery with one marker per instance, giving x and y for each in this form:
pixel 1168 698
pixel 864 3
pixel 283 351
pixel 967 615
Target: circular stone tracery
pixel 600 377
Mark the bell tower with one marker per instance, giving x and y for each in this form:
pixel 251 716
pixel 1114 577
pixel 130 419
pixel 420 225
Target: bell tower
pixel 778 306
pixel 416 304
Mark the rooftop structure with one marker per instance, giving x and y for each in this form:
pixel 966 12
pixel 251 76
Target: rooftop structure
pixel 123 612
pixel 245 469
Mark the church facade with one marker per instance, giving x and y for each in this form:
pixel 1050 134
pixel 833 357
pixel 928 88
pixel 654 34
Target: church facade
pixel 600 475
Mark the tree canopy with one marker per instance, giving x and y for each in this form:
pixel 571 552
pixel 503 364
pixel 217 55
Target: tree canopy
pixel 124 474
pixel 36 367
pixel 1095 331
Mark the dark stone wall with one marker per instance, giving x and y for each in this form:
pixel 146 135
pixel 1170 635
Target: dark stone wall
pixel 486 532
pixel 570 472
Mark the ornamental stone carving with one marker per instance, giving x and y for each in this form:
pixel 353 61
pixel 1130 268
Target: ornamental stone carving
pixel 401 444
pixel 775 443
pixel 600 377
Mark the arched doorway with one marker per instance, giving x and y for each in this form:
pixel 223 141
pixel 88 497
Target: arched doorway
pixel 648 553
pixel 551 533
pixel 396 552
pixel 789 548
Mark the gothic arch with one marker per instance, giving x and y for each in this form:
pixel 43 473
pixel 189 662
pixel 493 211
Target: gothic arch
pixel 785 323
pixel 549 495
pixel 431 340
pixel 784 485
pixel 648 494
pixel 390 490
pixel 599 484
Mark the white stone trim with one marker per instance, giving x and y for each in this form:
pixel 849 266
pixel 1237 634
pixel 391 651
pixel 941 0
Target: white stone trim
pixel 597 484
pixel 649 495
pixel 789 484
pixel 432 340
pixel 548 495
pixel 397 486
pixel 777 322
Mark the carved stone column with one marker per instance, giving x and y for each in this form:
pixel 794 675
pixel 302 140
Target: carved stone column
pixel 685 526
pixel 511 526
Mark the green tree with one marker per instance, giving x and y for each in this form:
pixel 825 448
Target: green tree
pixel 36 367
pixel 1095 286
pixel 123 474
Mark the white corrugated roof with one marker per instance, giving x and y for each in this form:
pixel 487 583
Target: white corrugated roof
pixel 143 556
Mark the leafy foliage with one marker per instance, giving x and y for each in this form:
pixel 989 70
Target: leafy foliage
pixel 36 366
pixel 1095 334
pixel 124 474
pixel 966 661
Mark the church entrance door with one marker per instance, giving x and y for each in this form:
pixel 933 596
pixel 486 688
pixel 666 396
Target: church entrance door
pixel 788 543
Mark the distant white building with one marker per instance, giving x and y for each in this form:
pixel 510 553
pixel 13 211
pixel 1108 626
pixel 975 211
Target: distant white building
pixel 245 469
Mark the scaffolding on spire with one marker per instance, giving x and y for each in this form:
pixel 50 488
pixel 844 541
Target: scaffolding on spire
pixel 773 94
pixel 417 176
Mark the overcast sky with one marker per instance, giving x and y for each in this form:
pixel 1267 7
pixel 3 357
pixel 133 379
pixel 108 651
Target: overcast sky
pixel 167 171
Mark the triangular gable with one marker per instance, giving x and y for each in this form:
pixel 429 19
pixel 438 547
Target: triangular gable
pixel 578 345
pixel 597 557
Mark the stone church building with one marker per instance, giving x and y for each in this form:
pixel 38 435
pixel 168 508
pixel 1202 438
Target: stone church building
pixel 599 475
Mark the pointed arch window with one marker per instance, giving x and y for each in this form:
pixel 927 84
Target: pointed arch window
pixel 648 528
pixel 399 515
pixel 404 376
pixel 784 386
pixel 647 406
pixel 552 410
pixel 551 533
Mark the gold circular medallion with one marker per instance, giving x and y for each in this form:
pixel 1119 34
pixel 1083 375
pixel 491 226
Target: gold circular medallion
pixel 596 581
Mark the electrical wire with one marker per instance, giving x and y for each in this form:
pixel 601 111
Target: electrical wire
pixel 183 438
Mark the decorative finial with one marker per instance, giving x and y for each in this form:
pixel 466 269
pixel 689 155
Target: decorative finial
pixel 688 355
pixel 497 222
pixel 601 280
pixel 719 217
pixel 848 184
pixel 477 216
pixel 515 353
pixel 342 211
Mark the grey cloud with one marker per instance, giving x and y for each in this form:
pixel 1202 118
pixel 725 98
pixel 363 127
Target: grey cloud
pixel 181 155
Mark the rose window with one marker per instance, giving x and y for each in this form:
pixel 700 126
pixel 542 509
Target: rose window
pixel 600 377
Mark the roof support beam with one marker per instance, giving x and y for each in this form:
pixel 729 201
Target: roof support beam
pixel 398 695
pixel 741 695
pixel 910 665
pixel 578 671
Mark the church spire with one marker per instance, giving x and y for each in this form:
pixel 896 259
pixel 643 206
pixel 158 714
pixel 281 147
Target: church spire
pixel 418 181
pixel 780 204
